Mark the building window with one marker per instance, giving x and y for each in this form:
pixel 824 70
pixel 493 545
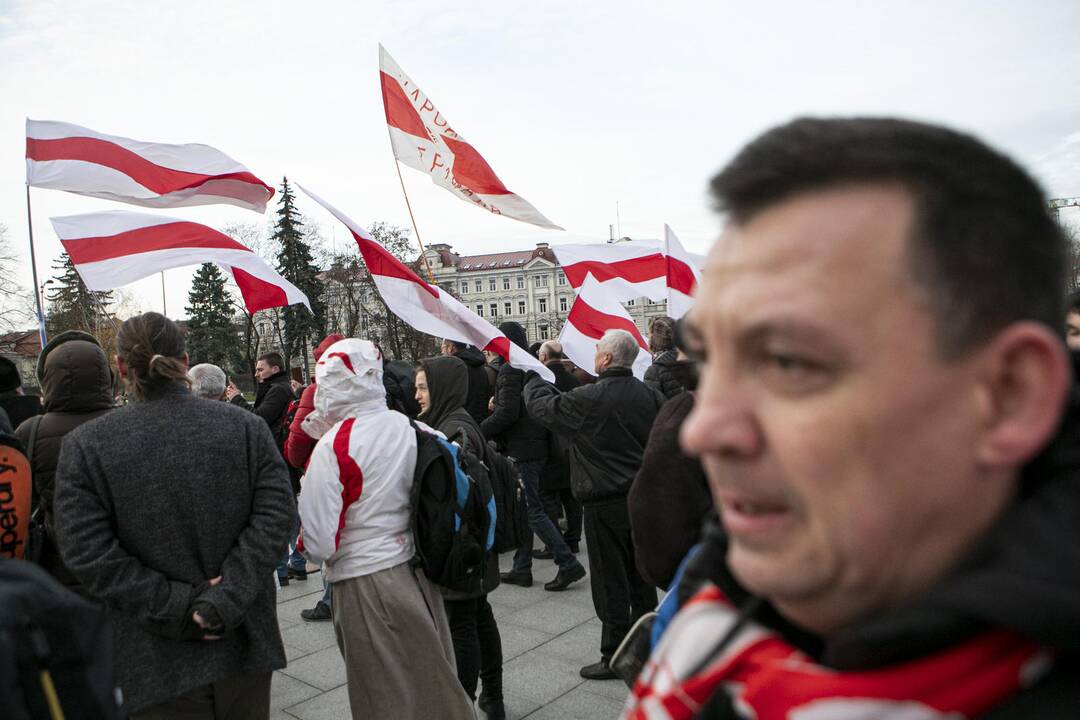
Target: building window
pixel 506 284
pixel 562 304
pixel 536 281
pixel 491 284
pixel 520 282
pixel 562 278
pixel 464 287
pixel 630 303
pixel 543 330
pixel 494 309
pixel 521 307
pixel 541 305
pixel 543 281
pixel 480 309
pixel 506 308
pixel 479 286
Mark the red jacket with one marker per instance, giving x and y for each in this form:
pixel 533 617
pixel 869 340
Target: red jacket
pixel 298 445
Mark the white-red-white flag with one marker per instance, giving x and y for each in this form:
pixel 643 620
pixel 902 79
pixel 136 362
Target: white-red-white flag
pixel 594 312
pixel 640 268
pixel 62 156
pixel 111 249
pixel 423 139
pixel 426 307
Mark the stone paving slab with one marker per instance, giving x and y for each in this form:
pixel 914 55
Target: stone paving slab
pixel 547 637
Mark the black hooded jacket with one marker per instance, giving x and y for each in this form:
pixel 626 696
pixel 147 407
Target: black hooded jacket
pixel 669 375
pixel 480 390
pixel 76 382
pixel 272 398
pixel 446 381
pixel 521 436
pixel 1024 575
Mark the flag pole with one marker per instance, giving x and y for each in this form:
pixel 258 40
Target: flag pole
pixel 33 270
pixel 423 255
pixel 163 310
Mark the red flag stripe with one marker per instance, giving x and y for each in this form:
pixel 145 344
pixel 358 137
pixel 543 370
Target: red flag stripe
pixel 352 479
pixel 678 274
pixel 158 179
pixel 156 237
pixel 472 170
pixel 380 262
pixel 400 113
pixel 594 323
pixel 344 359
pixel 257 293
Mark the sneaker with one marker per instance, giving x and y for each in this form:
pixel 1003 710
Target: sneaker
pixel 522 579
pixel 598 671
pixel 297 573
pixel 544 554
pixel 321 611
pixel 283 580
pixel 564 577
pixel 494 709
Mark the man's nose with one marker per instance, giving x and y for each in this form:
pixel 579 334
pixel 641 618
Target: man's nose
pixel 722 421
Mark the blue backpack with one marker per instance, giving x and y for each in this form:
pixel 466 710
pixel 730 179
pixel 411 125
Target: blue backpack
pixel 453 515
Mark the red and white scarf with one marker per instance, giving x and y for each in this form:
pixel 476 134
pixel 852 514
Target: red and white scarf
pixel 769 679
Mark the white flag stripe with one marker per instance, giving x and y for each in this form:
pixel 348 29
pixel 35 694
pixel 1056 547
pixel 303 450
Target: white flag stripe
pixel 596 310
pixel 188 157
pixel 106 223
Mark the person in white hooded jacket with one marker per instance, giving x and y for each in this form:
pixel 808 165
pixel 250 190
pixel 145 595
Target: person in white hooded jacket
pixel 354 508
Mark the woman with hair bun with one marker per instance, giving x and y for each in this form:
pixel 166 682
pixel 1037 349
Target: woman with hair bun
pixel 177 533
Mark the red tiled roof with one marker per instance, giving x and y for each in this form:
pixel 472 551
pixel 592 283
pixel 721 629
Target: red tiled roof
pixel 495 261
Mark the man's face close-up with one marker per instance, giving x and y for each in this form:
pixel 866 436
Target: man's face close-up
pixel 836 443
pixel 264 371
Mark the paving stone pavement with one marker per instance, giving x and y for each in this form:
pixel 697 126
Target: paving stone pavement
pixel 547 637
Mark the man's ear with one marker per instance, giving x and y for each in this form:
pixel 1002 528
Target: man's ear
pixel 1026 376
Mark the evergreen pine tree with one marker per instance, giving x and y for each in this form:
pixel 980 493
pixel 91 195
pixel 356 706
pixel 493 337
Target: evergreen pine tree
pixel 72 306
pixel 296 264
pixel 211 334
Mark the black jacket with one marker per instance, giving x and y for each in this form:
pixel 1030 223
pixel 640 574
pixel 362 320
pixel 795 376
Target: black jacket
pixel 1024 575
pixel 480 390
pixel 669 499
pixel 521 436
pixel 272 398
pixel 446 387
pixel 669 375
pixel 556 472
pixel 77 385
pixel 607 424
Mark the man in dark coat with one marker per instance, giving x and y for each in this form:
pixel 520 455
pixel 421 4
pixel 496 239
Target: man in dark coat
pixel 272 399
pixel 480 390
pixel 525 441
pixel 76 383
pixel 441 391
pixel 607 425
pixel 555 489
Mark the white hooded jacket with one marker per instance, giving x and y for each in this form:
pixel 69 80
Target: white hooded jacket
pixel 354 503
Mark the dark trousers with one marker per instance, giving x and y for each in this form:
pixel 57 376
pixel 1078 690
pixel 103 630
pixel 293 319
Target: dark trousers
pixel 239 697
pixel 620 595
pixel 539 522
pixel 553 500
pixel 477 645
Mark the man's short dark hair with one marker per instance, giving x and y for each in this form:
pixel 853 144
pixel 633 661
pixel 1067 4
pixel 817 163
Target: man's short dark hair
pixel 273 359
pixel 458 346
pixel 984 246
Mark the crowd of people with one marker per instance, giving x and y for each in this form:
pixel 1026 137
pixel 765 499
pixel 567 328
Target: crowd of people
pixel 849 476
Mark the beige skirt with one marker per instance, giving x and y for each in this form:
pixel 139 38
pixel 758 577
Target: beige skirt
pixel 399 659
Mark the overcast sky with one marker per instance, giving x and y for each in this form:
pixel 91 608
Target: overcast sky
pixel 576 105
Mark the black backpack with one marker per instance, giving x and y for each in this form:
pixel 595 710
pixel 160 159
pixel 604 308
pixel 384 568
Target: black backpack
pixel 453 516
pixel 512 529
pixel 55 650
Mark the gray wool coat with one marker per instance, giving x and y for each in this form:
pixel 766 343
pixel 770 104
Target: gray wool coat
pixel 151 501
